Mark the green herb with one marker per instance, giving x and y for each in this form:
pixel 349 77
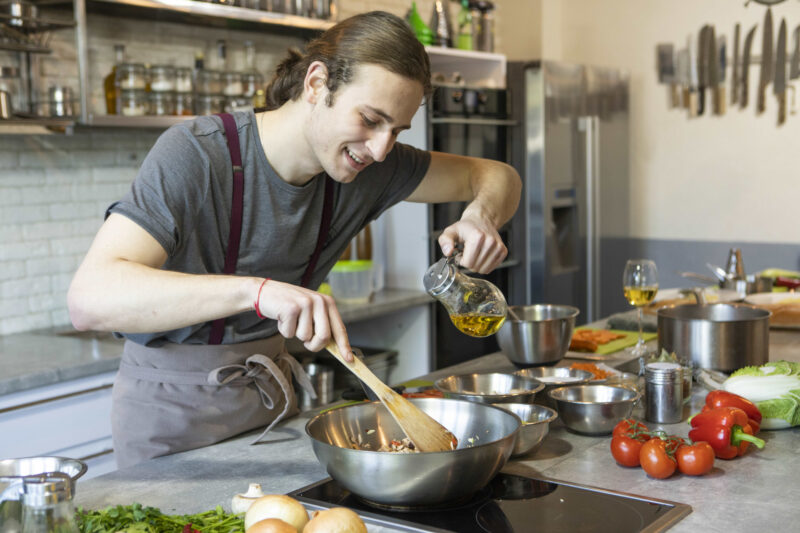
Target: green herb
pixel 138 519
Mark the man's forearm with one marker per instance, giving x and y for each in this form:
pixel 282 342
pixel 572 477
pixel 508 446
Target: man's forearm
pixel 124 296
pixel 496 189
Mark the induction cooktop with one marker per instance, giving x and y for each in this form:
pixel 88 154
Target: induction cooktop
pixel 512 504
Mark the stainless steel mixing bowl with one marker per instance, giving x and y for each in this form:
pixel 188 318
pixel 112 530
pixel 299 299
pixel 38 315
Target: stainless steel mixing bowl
pixel 593 409
pixel 553 378
pixel 535 425
pixel 539 334
pixel 491 387
pixel 486 436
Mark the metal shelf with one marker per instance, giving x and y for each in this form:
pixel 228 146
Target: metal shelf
pixel 36 126
pixel 119 121
pixel 216 12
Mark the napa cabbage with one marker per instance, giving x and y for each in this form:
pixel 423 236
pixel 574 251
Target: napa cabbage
pixel 774 387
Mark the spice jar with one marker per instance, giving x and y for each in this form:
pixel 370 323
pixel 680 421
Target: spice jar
pixel 232 84
pixel 476 306
pixel 11 83
pixel 184 104
pixel 209 82
pixel 663 386
pixel 208 104
pixel 161 103
pixel 183 80
pixel 162 78
pixel 251 82
pixel 132 103
pixel 131 76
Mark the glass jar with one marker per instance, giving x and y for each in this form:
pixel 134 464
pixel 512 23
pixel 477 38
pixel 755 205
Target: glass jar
pixel 232 83
pixel 184 104
pixel 476 306
pixel 47 505
pixel 183 80
pixel 131 76
pixel 209 82
pixel 162 78
pixel 132 103
pixel 208 104
pixel 11 83
pixel 161 103
pixel 251 82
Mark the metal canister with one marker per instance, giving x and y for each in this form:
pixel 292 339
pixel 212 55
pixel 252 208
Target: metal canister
pixel 663 385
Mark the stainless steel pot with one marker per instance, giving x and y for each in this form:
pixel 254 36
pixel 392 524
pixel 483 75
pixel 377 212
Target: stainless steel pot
pixel 720 336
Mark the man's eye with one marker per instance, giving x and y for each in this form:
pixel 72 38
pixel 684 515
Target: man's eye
pixel 367 121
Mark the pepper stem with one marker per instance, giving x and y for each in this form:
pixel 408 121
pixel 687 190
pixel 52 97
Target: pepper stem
pixel 738 435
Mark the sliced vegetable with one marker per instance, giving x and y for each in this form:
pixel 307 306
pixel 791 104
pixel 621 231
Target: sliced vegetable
pixel 774 388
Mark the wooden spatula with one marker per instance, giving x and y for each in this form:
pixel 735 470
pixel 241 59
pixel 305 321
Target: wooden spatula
pixel 427 434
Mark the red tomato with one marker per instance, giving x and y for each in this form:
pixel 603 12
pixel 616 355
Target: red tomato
pixel 655 460
pixel 631 427
pixel 673 443
pixel 696 459
pixel 625 450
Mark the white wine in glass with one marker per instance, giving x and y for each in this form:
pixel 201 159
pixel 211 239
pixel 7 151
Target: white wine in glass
pixel 640 284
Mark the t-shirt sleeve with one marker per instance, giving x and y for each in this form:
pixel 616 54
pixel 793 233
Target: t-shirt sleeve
pixel 405 166
pixel 172 181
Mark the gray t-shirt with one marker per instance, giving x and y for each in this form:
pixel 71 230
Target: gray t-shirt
pixel 182 197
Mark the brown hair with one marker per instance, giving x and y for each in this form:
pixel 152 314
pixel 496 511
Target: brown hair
pixel 377 38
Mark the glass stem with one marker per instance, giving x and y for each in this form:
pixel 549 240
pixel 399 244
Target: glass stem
pixel 641 334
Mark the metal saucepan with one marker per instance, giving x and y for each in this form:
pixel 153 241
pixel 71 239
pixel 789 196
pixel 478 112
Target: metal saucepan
pixel 721 336
pixel 486 436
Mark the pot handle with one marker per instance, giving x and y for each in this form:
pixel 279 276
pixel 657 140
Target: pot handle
pixel 699 295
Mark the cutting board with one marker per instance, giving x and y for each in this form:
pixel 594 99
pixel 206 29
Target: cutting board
pixel 629 339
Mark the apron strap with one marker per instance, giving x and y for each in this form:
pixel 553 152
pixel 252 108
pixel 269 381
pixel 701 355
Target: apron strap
pixel 234 237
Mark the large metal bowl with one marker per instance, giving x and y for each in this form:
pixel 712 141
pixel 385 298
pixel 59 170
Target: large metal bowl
pixel 593 409
pixel 492 387
pixel 535 335
pixel 535 425
pixel 486 436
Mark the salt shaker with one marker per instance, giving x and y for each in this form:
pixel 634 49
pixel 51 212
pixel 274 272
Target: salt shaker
pixel 663 385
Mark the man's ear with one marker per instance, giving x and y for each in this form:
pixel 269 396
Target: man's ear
pixel 315 85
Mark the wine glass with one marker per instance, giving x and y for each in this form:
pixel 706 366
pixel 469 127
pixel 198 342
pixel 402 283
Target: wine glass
pixel 640 283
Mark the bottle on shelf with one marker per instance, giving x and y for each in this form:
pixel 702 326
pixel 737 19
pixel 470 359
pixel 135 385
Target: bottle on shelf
pixel 252 80
pixel 464 21
pixel 109 82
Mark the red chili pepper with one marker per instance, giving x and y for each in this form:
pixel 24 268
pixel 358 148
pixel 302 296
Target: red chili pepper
pixel 721 398
pixel 726 429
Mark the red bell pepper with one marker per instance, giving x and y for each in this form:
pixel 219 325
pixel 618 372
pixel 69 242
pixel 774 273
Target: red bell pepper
pixel 726 429
pixel 721 398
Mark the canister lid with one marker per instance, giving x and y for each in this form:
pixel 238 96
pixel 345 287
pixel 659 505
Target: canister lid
pixel 663 371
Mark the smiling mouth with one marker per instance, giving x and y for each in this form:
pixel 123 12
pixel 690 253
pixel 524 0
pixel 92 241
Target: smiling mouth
pixel 355 158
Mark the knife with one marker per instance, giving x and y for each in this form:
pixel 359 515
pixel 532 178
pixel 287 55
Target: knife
pixel 702 69
pixel 693 78
pixel 779 86
pixel 682 76
pixel 735 73
pixel 722 61
pixel 767 62
pixel 794 69
pixel 712 58
pixel 745 80
pixel 665 55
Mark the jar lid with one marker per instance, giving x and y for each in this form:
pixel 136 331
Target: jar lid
pixel 46 488
pixel 358 265
pixel 439 276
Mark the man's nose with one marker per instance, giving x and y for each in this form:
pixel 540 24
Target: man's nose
pixel 380 144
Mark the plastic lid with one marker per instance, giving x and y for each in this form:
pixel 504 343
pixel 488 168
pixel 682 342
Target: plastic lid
pixel 358 265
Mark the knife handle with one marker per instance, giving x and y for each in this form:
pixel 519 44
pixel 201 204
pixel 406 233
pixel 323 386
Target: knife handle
pixel 674 96
pixel 693 103
pixel 781 108
pixel 721 94
pixel 761 105
pixel 685 97
pixel 701 101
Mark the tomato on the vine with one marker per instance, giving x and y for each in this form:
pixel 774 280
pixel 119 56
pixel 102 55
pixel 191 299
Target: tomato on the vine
pixel 655 459
pixel 625 450
pixel 696 459
pixel 631 428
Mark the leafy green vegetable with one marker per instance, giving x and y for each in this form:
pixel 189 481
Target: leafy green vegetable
pixel 774 387
pixel 138 519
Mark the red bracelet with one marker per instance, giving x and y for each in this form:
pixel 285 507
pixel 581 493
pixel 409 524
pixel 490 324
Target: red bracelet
pixel 258 299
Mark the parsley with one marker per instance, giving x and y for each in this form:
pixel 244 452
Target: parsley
pixel 138 519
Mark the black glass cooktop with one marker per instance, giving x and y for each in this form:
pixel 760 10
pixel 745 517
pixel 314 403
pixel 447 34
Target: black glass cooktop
pixel 513 504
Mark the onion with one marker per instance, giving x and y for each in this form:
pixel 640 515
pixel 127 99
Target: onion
pixel 272 525
pixel 277 506
pixel 335 520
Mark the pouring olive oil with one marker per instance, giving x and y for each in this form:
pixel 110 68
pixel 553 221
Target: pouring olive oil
pixel 476 306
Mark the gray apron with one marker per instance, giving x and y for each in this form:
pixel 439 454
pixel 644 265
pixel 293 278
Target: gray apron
pixel 179 397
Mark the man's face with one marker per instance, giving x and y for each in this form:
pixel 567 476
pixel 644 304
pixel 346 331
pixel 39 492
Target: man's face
pixel 363 123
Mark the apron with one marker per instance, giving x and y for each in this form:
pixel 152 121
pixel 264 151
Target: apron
pixel 180 397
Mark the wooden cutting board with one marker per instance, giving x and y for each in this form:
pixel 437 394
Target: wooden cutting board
pixel 629 339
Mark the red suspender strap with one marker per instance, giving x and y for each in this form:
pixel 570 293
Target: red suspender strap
pixel 234 236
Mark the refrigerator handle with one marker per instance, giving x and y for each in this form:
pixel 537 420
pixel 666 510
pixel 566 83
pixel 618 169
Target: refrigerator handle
pixel 592 218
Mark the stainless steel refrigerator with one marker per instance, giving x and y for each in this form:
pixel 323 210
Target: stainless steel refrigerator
pixel 570 145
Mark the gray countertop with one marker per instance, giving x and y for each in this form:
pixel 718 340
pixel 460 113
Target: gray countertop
pixel 751 493
pixel 48 357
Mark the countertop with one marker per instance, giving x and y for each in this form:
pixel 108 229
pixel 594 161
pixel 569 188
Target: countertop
pixel 52 356
pixel 751 493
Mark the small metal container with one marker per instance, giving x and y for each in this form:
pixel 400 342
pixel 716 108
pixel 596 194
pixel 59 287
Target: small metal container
pixel 663 386
pixel 536 421
pixel 62 102
pixel 322 379
pixel 534 335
